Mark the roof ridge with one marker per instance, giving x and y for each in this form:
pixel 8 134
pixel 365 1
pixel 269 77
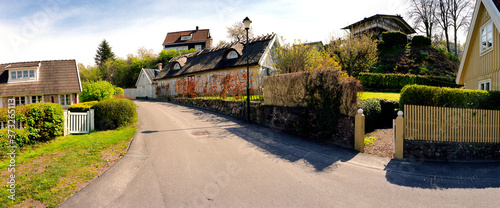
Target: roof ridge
pixel 23 62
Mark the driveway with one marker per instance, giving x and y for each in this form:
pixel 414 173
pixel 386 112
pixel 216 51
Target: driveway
pixel 187 157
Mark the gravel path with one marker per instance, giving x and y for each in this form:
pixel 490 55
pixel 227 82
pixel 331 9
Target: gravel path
pixel 382 147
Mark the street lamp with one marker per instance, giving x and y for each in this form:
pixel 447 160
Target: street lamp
pixel 247 22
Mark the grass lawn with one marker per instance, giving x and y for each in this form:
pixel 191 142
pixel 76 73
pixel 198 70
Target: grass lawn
pixel 49 173
pixel 381 95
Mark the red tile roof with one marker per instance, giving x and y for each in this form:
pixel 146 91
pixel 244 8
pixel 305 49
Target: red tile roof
pixel 197 36
pixel 54 77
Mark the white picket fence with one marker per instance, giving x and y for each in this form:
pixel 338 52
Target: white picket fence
pixel 78 122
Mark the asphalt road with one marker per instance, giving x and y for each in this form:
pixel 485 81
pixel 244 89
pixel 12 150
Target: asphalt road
pixel 187 157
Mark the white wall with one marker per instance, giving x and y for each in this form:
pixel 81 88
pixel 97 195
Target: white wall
pixel 130 92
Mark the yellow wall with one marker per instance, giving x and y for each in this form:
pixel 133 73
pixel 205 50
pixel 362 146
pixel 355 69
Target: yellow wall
pixel 487 66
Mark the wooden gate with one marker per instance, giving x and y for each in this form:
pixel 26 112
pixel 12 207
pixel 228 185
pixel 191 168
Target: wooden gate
pixel 79 122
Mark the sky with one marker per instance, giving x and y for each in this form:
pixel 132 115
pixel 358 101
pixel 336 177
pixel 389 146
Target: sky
pixel 33 30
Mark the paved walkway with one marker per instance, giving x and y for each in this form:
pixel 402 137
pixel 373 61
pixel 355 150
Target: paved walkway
pixel 187 157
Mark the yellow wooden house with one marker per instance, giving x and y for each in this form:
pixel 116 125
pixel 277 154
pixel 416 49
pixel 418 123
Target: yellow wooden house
pixel 480 65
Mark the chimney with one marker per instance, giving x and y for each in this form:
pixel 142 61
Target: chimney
pixel 160 66
pixel 196 28
pixel 208 44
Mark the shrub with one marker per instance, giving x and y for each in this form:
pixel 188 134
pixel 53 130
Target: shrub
pixel 82 107
pixel 114 113
pixel 398 81
pixel 119 91
pixel 420 41
pixel 372 111
pixel 448 97
pixel 21 138
pixel 45 121
pixel 97 91
pixel 392 39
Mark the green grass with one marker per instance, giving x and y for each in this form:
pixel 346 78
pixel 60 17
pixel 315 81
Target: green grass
pixel 50 172
pixel 381 95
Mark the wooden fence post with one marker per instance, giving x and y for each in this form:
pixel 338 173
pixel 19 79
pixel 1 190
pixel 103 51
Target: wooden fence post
pixel 359 131
pixel 65 122
pixel 399 136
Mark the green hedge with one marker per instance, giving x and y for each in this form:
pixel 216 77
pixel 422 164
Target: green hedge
pixel 44 121
pixel 398 81
pixel 119 91
pixel 392 39
pixel 378 112
pixel 82 107
pixel 100 90
pixel 420 41
pixel 448 97
pixel 21 138
pixel 114 113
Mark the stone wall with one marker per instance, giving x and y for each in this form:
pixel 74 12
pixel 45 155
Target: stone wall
pixel 451 151
pixel 299 121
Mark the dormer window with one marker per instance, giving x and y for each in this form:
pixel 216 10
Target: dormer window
pixel 186 37
pixel 23 74
pixel 177 66
pixel 232 55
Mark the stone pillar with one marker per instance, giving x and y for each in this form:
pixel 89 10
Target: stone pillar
pixel 359 131
pixel 399 136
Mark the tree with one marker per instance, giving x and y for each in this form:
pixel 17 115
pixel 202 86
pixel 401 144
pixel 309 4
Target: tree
pixel 88 73
pixel 100 90
pixel 423 14
pixel 237 32
pixel 460 13
pixel 355 54
pixel 443 19
pixel 103 53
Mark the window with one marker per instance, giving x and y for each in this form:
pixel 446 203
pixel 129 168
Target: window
pixel 197 47
pixel 22 75
pixel 13 75
pixel 485 84
pixel 177 66
pixel 186 37
pixel 143 76
pixel 232 55
pixel 32 73
pixel 20 101
pixel 65 100
pixel 487 37
pixel 37 99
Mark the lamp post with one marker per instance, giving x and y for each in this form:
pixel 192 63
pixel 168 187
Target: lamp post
pixel 247 22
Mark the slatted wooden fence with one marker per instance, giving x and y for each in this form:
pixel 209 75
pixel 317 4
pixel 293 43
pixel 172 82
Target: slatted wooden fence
pixel 79 122
pixel 451 124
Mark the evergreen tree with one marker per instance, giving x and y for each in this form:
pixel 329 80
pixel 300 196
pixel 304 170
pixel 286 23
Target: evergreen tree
pixel 103 53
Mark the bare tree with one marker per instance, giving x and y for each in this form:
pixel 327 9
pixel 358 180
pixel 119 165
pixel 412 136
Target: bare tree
pixel 422 12
pixel 460 13
pixel 237 32
pixel 443 19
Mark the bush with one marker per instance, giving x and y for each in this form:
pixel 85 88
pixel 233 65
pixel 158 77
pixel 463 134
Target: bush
pixel 119 91
pixel 398 81
pixel 82 107
pixel 392 40
pixel 21 138
pixel 420 41
pixel 114 113
pixel 372 111
pixel 97 91
pixel 448 97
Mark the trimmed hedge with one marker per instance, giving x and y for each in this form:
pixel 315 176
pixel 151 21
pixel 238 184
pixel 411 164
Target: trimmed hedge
pixel 119 91
pixel 114 113
pixel 398 81
pixel 420 41
pixel 448 97
pixel 378 112
pixel 392 39
pixel 44 121
pixel 21 138
pixel 82 107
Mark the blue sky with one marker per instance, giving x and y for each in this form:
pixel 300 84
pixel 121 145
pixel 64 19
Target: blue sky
pixel 65 29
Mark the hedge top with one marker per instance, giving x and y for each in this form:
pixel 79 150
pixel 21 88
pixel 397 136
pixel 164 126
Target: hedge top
pixel 449 97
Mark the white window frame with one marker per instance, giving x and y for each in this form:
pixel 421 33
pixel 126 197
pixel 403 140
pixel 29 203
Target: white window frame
pixel 197 47
pixel 484 84
pixel 65 99
pixel 23 75
pixel 185 37
pixel 232 55
pixel 486 34
pixel 18 100
pixel 177 66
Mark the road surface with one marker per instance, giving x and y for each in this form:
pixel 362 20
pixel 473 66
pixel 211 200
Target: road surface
pixel 187 157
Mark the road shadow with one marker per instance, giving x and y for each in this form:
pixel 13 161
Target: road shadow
pixel 443 175
pixel 321 156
